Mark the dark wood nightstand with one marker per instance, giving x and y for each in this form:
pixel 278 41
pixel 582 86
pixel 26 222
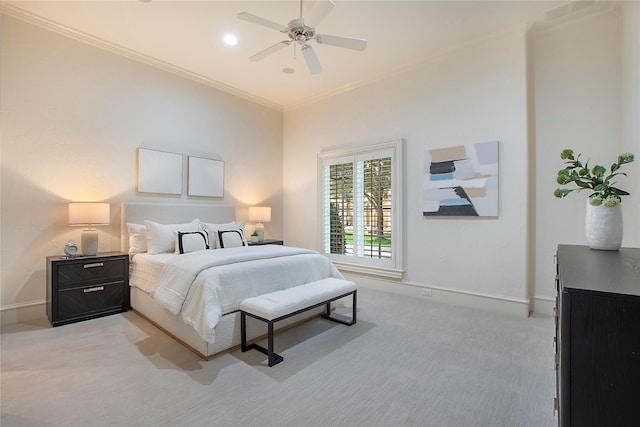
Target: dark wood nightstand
pixel 266 242
pixel 85 287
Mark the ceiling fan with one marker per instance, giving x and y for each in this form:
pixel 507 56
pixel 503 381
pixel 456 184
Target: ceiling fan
pixel 302 31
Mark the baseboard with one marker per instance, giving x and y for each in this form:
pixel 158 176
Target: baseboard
pixel 499 304
pixel 544 305
pixel 21 313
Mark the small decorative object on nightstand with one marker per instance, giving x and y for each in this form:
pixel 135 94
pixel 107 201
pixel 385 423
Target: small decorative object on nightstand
pixel 82 288
pixel 266 242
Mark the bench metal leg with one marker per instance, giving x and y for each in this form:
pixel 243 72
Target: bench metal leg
pixel 274 358
pixel 243 331
pixel 327 315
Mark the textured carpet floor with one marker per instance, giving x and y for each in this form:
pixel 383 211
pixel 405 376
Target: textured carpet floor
pixel 407 362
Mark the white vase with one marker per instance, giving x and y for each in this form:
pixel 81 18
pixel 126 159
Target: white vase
pixel 603 227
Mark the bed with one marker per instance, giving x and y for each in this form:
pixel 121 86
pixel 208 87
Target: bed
pixel 195 296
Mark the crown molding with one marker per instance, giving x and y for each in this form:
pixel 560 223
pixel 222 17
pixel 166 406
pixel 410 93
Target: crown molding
pixel 31 18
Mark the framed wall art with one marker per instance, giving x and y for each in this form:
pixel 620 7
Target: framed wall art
pixel 206 177
pixel 159 172
pixel 461 180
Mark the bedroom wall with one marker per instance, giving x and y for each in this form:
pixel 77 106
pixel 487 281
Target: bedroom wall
pixel 583 75
pixel 586 78
pixel 630 110
pixel 73 116
pixel 476 93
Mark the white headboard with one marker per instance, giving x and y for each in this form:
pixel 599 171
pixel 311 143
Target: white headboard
pixel 171 213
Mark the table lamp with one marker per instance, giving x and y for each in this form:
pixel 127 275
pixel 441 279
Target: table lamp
pixel 260 214
pixel 89 214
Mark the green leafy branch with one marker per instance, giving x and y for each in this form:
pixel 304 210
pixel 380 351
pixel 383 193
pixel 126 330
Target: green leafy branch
pixel 602 187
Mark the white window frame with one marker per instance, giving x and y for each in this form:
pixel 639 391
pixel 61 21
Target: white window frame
pixel 384 267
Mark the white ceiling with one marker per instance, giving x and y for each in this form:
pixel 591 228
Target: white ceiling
pixel 186 36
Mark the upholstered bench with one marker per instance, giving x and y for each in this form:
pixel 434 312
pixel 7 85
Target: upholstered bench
pixel 279 305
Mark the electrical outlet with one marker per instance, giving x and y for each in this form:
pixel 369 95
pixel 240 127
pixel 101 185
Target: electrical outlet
pixel 426 292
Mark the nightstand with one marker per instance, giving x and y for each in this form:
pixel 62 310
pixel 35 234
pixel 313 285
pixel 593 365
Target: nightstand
pixel 85 287
pixel 266 242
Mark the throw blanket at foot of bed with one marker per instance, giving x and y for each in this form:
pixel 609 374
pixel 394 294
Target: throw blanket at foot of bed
pixel 281 305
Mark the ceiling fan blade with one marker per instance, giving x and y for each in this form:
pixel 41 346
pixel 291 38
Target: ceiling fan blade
pixel 270 50
pixel 339 41
pixel 311 59
pixel 244 16
pixel 319 11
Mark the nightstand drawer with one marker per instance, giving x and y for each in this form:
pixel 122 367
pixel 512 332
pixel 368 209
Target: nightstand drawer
pixel 100 270
pixel 86 300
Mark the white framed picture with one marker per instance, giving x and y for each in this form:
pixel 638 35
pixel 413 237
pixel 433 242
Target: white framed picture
pixel 206 177
pixel 159 172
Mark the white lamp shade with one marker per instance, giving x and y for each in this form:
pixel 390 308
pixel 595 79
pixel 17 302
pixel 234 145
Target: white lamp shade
pixel 260 213
pixel 89 214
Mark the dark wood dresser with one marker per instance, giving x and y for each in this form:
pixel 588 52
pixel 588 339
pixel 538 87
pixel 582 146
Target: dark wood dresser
pixel 85 287
pixel 598 337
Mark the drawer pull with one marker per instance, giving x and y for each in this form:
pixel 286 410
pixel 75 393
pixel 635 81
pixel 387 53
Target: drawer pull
pixel 96 289
pixel 95 264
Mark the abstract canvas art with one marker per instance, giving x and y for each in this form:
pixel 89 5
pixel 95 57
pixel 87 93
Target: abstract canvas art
pixel 461 180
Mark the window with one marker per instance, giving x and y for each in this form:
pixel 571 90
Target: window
pixel 361 201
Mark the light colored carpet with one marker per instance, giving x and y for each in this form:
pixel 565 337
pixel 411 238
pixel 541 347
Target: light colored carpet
pixel 407 362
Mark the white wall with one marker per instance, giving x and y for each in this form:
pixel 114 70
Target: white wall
pixel 72 118
pixel 586 100
pixel 477 93
pixel 630 122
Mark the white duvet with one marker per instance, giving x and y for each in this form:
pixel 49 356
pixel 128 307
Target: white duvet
pixel 204 285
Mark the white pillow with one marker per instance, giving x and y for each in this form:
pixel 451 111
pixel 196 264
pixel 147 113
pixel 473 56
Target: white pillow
pixel 137 238
pixel 160 237
pixel 212 231
pixel 231 238
pixel 190 241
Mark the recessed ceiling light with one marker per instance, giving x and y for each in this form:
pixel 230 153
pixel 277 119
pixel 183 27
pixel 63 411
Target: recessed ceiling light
pixel 231 40
pixel 288 70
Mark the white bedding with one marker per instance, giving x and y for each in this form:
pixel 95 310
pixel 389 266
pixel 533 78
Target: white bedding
pixel 145 269
pixel 204 285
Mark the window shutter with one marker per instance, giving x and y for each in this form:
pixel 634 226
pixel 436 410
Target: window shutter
pixel 361 203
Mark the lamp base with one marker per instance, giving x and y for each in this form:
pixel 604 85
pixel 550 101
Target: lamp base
pixel 89 241
pixel 260 231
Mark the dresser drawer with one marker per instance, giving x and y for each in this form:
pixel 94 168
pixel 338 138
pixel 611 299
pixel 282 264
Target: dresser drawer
pixel 71 274
pixel 87 300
